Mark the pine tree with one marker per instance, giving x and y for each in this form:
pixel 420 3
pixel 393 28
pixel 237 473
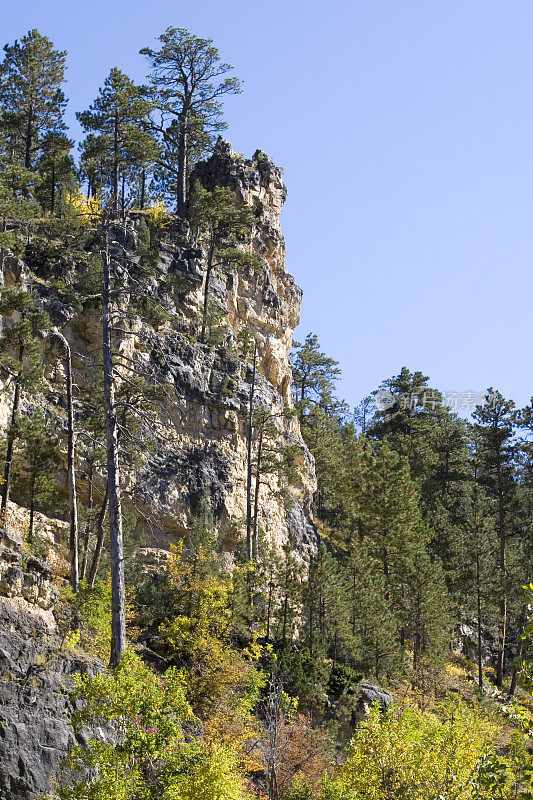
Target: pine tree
pixel 117 117
pixel 473 563
pixel 17 185
pixel 426 614
pixel 271 462
pixel 313 373
pixel 327 611
pixel 37 461
pixel 495 423
pixel 289 592
pixel 20 363
pixel 188 81
pixel 56 170
pixel 223 226
pixel 32 102
pixel 374 623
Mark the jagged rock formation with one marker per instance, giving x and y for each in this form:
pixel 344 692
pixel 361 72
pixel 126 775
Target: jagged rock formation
pixel 204 453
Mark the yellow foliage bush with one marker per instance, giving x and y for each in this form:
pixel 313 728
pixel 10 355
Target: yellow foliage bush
pixel 413 754
pixel 158 214
pixel 87 209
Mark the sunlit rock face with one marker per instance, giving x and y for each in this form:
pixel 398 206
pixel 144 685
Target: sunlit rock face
pixel 198 453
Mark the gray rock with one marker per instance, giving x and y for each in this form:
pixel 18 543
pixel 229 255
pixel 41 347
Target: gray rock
pixel 35 679
pixel 369 695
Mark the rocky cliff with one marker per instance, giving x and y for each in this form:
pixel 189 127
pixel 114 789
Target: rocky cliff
pixel 202 451
pixel 197 454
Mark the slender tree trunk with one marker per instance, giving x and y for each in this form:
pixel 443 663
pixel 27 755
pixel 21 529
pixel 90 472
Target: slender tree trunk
pixel 100 537
pixel 8 468
pixel 53 188
pixel 118 589
pixel 88 524
pixel 115 164
pixel 479 639
pixel 29 137
pixel 269 604
pixel 519 651
pixel 123 198
pixel 256 496
pixel 208 271
pixel 71 465
pixel 32 499
pixel 249 457
pixel 503 591
pixel 302 398
pixel 182 168
pixel 143 187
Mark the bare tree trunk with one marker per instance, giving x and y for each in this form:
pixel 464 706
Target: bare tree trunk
pixel 88 524
pixel 479 641
pixel 503 591
pixel 249 456
pixel 71 462
pixel 182 169
pixel 206 286
pixel 256 496
pixel 100 531
pixel 71 465
pixel 118 589
pixel 8 468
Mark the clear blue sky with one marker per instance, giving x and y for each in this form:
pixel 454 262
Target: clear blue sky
pixel 405 130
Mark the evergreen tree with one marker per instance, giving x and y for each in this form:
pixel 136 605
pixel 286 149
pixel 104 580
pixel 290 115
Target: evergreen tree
pixel 188 81
pixel 37 461
pixel 16 186
pixel 31 99
pixel 223 226
pixel 327 611
pixel 56 170
pixel 20 363
pixel 425 614
pixel 117 117
pixel 495 423
pixel 313 373
pixel 374 623
pixel 272 460
pixel 472 562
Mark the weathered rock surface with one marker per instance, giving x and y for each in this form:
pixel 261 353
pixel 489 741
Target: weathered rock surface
pixel 35 679
pixel 201 451
pixel 465 642
pixel 369 695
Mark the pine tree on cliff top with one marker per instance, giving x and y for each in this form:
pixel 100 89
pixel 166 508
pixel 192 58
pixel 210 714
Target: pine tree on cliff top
pixel 117 116
pixel 218 220
pixel 188 82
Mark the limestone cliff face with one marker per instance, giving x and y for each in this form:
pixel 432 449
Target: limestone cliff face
pixel 202 449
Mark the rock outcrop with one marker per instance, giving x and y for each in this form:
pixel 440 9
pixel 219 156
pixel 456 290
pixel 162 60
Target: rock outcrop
pixel 201 453
pixel 35 680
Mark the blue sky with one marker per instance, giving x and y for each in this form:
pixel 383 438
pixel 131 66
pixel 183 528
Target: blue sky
pixel 405 130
